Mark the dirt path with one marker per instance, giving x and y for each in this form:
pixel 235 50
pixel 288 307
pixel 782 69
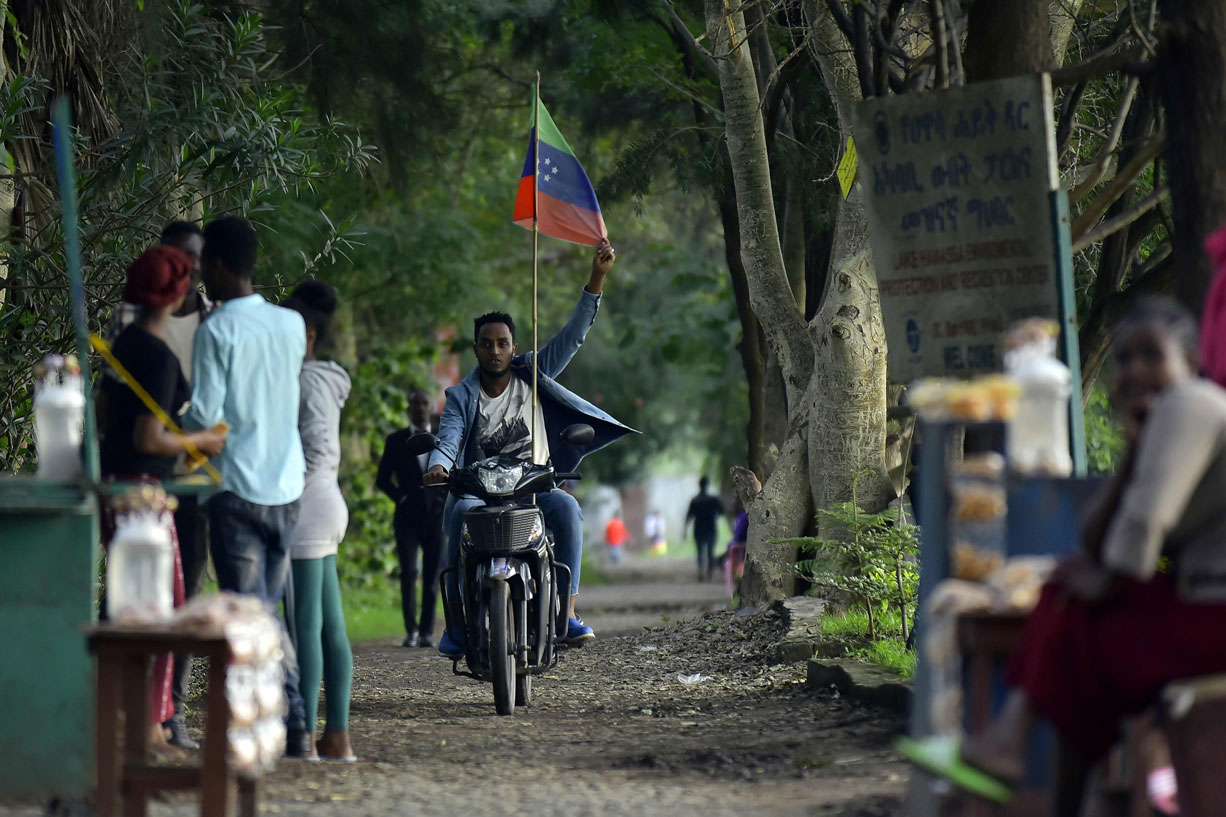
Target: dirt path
pixel 612 730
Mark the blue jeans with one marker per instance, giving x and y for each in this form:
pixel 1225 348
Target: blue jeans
pixel 562 515
pixel 250 547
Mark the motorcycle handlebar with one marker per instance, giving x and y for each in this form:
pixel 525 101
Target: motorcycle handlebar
pixel 561 477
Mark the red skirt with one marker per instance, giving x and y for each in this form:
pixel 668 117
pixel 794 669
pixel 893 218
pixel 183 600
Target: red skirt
pixel 1084 667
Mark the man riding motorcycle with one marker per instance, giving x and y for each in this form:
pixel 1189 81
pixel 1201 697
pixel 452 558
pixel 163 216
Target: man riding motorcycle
pixel 489 413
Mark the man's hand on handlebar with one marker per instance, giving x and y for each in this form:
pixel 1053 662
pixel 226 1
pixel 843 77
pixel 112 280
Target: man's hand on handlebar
pixel 435 475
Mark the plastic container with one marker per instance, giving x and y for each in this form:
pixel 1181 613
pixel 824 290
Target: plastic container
pixel 59 418
pixel 1038 435
pixel 139 569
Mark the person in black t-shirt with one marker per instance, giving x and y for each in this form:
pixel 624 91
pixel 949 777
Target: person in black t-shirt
pixel 137 447
pixel 136 444
pixel 705 511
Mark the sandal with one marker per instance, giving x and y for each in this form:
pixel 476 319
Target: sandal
pixel 941 756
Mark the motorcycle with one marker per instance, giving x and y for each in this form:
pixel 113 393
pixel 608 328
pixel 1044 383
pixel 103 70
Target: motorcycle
pixel 513 595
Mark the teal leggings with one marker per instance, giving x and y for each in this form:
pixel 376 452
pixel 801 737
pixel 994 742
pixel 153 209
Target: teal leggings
pixel 323 646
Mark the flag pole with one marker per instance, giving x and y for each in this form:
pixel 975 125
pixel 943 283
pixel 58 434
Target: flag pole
pixel 536 169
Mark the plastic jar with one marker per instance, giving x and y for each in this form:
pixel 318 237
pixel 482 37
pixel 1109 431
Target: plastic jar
pixel 139 569
pixel 59 418
pixel 1038 435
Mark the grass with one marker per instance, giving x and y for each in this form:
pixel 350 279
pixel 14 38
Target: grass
pixel 372 612
pixel 888 651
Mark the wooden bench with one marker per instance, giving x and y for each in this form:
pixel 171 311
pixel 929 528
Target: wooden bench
pixel 126 779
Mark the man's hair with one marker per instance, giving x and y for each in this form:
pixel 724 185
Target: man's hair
pixel 234 242
pixel 492 317
pixel 178 230
pixel 1169 316
pixel 703 483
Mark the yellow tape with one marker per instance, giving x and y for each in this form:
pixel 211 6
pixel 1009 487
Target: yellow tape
pixel 194 453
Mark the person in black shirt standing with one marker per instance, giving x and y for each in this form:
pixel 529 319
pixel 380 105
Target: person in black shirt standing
pixel 418 522
pixel 136 446
pixel 705 510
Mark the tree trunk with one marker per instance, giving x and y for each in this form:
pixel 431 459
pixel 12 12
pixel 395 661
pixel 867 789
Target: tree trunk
pixel 847 428
pixel 753 359
pixel 1006 38
pixel 1063 18
pixel 769 289
pixel 1191 67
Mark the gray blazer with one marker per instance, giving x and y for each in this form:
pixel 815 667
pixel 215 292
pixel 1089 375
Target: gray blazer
pixel 1175 501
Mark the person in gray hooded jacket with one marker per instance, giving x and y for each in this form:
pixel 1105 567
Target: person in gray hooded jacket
pixel 318 619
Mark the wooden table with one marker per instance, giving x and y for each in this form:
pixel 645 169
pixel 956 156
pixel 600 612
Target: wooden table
pixel 125 775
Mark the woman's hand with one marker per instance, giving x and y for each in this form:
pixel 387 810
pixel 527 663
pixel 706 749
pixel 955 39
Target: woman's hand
pixel 1082 578
pixel 209 443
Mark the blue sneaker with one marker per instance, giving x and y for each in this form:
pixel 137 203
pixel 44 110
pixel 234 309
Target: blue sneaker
pixel 452 648
pixel 576 633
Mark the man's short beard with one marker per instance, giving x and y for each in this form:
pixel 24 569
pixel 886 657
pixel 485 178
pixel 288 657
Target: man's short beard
pixel 495 374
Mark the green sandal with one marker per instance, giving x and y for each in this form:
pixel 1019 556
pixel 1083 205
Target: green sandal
pixel 940 756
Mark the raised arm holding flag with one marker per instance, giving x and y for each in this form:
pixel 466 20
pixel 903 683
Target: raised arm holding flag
pixel 511 404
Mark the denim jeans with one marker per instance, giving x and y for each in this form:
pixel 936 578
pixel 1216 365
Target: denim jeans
pixel 562 515
pixel 250 547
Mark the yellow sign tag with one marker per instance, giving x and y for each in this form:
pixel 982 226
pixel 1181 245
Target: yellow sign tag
pixel 847 167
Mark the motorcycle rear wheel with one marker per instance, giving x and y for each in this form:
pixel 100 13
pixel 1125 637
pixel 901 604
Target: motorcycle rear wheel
pixel 502 648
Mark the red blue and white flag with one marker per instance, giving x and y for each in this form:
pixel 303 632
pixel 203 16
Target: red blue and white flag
pixel 557 193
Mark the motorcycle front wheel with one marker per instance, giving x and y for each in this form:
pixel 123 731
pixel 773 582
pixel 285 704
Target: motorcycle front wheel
pixel 523 690
pixel 502 648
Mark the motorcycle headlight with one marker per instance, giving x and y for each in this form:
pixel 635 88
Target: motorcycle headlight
pixel 538 530
pixel 499 480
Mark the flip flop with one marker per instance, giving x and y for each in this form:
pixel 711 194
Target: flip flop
pixel 330 759
pixel 940 756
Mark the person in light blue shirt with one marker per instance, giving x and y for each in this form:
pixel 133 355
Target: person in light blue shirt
pixel 245 367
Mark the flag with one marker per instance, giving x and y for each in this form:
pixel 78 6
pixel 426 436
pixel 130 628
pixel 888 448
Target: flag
pixel 567 203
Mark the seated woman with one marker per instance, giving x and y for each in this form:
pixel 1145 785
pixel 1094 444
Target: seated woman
pixel 136 447
pixel 1111 628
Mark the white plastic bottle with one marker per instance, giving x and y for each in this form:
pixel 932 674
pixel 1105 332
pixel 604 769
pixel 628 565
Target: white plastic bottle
pixel 1038 435
pixel 59 418
pixel 139 570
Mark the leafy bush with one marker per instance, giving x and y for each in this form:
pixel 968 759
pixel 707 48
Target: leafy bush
pixel 871 564
pixel 1104 437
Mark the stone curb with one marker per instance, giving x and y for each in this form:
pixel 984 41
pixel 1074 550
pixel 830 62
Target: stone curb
pixel 861 683
pixel 802 616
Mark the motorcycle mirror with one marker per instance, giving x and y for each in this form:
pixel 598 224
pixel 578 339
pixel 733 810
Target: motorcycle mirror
pixel 578 434
pixel 422 443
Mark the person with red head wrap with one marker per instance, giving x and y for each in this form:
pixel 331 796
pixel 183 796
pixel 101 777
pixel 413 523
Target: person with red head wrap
pixel 136 446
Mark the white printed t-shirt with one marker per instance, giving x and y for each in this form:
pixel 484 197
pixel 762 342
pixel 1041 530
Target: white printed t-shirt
pixel 504 424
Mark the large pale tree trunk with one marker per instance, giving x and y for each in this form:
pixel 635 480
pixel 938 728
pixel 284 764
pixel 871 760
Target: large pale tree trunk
pixel 782 507
pixel 847 436
pixel 833 367
pixel 1191 69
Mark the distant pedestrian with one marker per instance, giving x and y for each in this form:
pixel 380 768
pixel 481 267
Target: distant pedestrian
pixel 705 511
pixel 615 535
pixel 653 529
pixel 245 368
pixel 318 617
pixel 417 524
